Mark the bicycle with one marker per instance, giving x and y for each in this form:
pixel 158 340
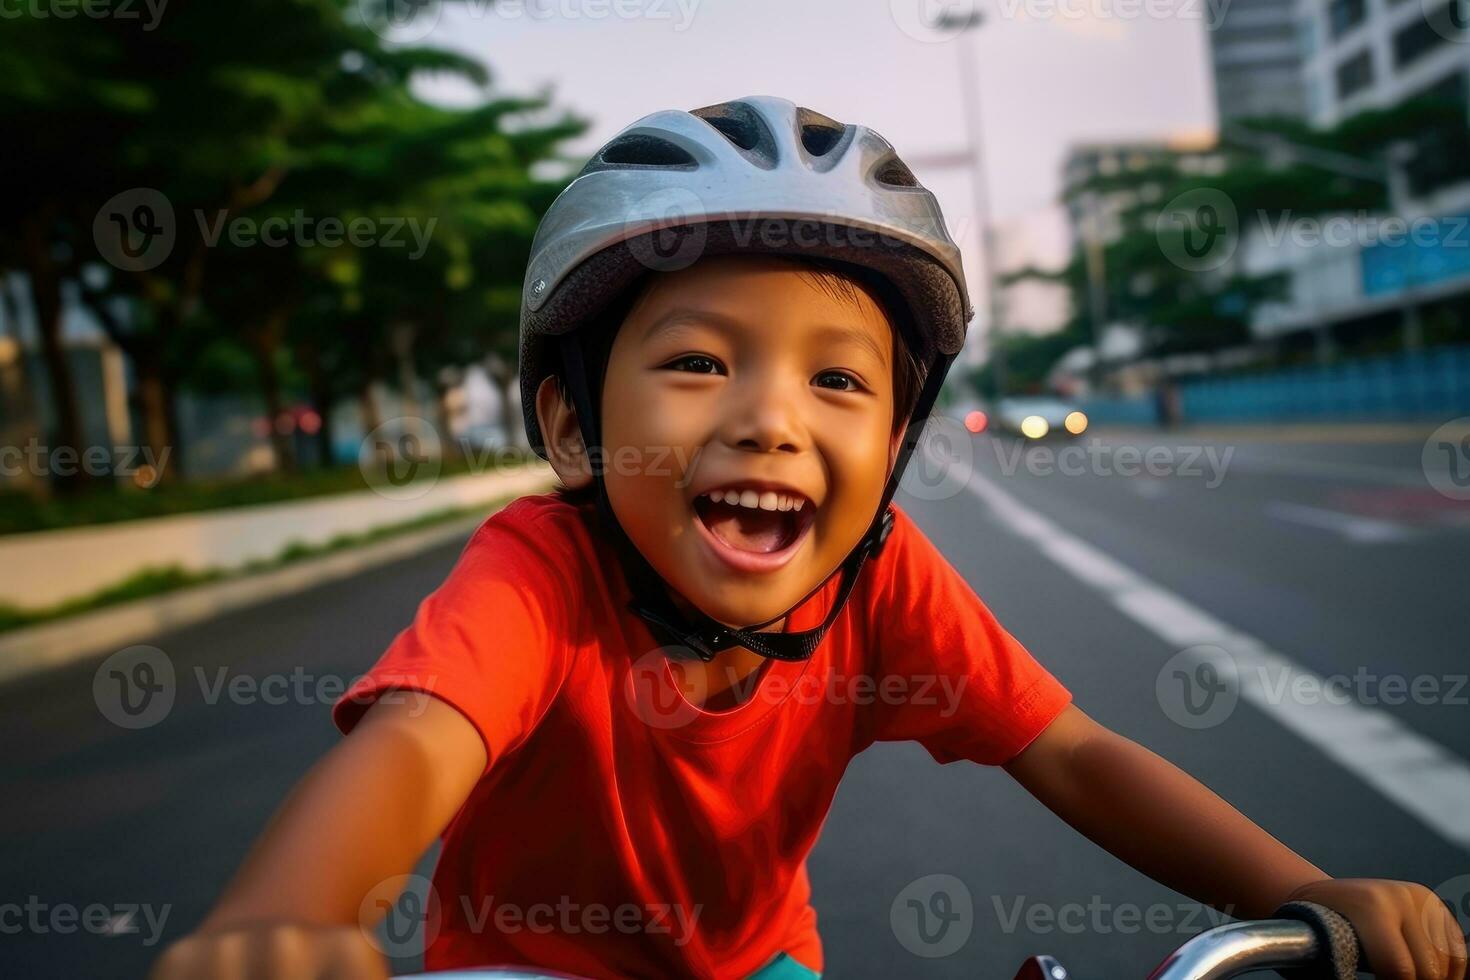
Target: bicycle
pixel 1311 940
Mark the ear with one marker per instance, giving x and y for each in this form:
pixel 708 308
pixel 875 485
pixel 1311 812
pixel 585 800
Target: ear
pixel 563 438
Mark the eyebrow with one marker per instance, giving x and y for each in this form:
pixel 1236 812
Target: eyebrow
pixel 835 334
pixel 828 334
pixel 681 315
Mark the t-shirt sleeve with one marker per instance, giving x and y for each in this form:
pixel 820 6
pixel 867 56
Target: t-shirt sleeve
pixel 957 682
pixel 491 641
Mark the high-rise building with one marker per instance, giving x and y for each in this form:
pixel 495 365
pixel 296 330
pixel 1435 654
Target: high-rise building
pixel 1369 54
pixel 1256 49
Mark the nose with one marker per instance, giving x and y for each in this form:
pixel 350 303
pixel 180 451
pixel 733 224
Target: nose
pixel 764 415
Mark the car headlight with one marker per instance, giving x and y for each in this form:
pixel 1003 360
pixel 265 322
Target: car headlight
pixel 1076 423
pixel 1034 427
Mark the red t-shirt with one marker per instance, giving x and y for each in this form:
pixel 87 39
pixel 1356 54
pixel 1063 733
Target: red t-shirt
pixel 620 831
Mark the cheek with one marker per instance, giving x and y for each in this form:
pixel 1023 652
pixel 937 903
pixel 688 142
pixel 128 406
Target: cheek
pixel 857 459
pixel 651 448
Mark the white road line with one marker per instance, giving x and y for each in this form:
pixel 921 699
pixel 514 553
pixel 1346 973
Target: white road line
pixel 1414 772
pixel 1358 530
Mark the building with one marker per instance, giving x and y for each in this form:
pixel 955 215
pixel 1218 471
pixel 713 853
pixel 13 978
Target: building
pixel 1256 52
pixel 1095 215
pixel 1361 55
pixel 1370 54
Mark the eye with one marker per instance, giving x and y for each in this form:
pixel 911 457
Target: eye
pixel 695 364
pixel 837 381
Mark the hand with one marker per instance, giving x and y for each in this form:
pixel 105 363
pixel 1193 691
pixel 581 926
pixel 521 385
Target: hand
pixel 1406 931
pixel 274 951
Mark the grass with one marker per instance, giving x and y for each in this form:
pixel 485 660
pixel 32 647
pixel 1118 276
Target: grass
pixel 158 581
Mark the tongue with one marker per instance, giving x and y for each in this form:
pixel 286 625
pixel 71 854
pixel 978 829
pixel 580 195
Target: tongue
pixel 746 529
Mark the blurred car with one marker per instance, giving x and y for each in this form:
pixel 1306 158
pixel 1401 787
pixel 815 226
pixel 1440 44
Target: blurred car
pixel 1038 418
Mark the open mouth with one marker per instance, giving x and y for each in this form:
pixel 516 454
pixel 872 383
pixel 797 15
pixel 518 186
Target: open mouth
pixel 753 521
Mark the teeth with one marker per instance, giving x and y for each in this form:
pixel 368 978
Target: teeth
pixel 758 500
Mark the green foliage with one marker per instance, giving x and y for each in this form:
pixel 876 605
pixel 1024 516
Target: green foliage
pixel 275 110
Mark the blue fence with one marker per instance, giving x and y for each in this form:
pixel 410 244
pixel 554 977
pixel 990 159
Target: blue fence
pixel 1434 382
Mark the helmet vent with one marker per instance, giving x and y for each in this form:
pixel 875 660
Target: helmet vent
pixel 819 133
pixel 742 126
pixel 895 173
pixel 645 151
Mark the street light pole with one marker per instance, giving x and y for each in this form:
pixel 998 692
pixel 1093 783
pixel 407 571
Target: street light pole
pixel 966 23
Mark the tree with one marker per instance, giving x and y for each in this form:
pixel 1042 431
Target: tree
pixel 1181 308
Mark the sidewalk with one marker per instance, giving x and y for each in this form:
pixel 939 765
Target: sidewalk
pixel 37 648
pixel 44 568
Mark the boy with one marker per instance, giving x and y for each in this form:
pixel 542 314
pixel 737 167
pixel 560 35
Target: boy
pixel 607 733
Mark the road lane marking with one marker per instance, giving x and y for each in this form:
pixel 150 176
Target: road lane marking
pixel 1358 530
pixel 1418 774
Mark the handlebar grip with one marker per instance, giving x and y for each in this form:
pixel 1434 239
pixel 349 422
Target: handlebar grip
pixel 1339 942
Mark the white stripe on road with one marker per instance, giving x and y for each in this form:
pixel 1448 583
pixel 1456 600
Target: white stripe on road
pixel 1358 530
pixel 1418 774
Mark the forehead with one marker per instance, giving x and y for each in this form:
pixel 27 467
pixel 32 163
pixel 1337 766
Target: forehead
pixel 784 297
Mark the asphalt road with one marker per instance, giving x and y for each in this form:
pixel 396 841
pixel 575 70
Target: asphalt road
pixel 1337 558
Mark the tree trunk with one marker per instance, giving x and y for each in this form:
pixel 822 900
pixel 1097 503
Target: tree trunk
pixel 153 406
pixel 264 339
pixel 155 395
pixel 448 445
pixel 45 283
pixel 323 395
pixel 367 404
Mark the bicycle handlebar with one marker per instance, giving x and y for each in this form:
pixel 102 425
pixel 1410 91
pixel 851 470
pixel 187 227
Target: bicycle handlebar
pixel 1303 935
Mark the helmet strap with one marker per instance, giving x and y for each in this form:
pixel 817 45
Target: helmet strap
pixel 700 634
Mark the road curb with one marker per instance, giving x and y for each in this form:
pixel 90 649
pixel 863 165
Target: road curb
pixel 34 649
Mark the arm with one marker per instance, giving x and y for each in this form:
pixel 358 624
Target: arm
pixel 363 814
pixel 1161 821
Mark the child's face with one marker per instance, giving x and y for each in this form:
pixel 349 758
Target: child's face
pixel 743 375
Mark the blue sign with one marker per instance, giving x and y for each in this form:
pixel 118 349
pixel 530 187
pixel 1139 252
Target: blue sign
pixel 1431 250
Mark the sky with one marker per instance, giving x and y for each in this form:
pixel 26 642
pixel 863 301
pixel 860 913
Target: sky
pixel 1050 73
